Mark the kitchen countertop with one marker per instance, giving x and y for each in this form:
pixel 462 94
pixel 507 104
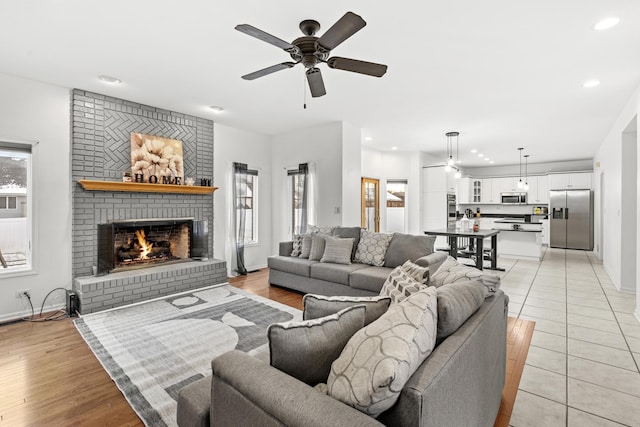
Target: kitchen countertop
pixel 506 221
pixel 518 231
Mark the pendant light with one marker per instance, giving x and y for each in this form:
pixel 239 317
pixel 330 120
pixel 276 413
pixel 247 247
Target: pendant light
pixel 526 172
pixel 520 183
pixel 451 161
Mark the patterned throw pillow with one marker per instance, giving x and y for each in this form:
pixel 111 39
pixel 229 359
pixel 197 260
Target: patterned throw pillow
pixel 325 230
pixel 319 306
pixel 337 250
pixel 418 272
pixel 400 285
pixel 306 246
pixel 305 350
pixel 379 359
pixel 452 271
pixel 372 247
pixel 317 247
pixel 297 245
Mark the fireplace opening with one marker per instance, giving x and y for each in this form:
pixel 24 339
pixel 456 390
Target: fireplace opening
pixel 125 245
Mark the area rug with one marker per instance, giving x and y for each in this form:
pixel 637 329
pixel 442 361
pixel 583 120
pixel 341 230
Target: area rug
pixel 154 349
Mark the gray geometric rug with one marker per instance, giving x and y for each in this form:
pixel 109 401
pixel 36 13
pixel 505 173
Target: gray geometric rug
pixel 154 349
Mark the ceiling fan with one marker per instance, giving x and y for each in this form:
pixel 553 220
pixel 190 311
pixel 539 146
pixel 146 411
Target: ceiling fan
pixel 311 51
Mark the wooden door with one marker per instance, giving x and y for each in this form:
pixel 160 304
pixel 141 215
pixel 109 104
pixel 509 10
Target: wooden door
pixel 370 204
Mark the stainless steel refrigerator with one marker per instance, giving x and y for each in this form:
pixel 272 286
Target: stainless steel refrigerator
pixel 571 219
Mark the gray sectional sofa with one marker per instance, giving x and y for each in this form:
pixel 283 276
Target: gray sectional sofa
pixel 354 279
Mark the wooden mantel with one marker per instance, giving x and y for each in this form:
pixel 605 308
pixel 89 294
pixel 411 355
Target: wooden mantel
pixel 139 187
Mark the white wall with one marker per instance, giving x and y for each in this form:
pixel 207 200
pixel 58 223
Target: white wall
pixel 254 149
pixel 351 174
pixel 33 111
pixel 608 161
pixel 321 145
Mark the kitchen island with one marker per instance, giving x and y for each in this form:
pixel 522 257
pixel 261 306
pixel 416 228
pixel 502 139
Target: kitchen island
pixel 520 240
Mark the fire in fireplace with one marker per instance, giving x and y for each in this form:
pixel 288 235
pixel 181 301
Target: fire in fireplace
pixel 132 244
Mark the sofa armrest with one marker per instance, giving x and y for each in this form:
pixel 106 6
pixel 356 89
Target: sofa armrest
pixel 285 248
pixel 433 261
pixel 247 391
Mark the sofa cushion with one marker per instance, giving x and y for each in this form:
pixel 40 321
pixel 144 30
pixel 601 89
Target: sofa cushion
pixel 337 273
pixel 194 403
pixel 297 245
pixel 305 350
pixel 456 303
pixel 372 247
pixel 316 306
pixel 403 247
pixel 369 279
pixel 419 273
pixel 337 250
pixel 305 250
pixel 317 247
pixel 379 359
pixel 452 271
pixel 293 265
pixel 352 232
pixel 400 285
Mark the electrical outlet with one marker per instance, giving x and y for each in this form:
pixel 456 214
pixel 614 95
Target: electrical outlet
pixel 24 293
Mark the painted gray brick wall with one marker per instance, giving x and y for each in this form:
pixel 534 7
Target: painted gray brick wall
pixel 100 150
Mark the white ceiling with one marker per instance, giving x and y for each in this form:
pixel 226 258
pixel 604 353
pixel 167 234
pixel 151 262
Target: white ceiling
pixel 504 73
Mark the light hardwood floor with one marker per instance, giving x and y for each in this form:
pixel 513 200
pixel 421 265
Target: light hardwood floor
pixel 50 377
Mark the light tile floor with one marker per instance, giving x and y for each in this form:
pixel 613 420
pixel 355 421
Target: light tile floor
pixel 582 366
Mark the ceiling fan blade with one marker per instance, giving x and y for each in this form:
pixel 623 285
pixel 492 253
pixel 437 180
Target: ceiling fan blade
pixel 316 84
pixel 268 70
pixel 344 28
pixel 266 37
pixel 357 66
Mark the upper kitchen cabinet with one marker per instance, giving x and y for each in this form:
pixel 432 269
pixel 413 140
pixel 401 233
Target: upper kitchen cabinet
pixel 491 190
pixel 570 181
pixel 463 192
pixel 434 178
pixel 509 184
pixel 538 190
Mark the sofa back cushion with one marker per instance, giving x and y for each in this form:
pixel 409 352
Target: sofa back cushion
pixel 405 247
pixel 306 349
pixel 349 232
pixel 372 247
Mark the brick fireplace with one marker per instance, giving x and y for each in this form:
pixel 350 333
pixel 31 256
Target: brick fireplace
pixel 101 129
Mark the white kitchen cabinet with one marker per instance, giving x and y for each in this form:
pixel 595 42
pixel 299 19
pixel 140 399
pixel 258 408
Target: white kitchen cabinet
pixel 476 190
pixel 570 181
pixel 450 180
pixel 491 190
pixel 509 184
pixel 464 191
pixel 545 231
pixel 538 193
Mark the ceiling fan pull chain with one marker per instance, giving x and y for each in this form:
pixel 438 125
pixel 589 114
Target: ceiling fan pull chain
pixel 304 91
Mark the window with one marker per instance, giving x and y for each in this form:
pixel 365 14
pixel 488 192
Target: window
pixel 396 202
pixel 249 201
pixel 298 183
pixel 15 222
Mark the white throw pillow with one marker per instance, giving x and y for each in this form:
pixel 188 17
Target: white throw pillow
pixel 418 272
pixel 372 247
pixel 379 359
pixel 399 285
pixel 452 271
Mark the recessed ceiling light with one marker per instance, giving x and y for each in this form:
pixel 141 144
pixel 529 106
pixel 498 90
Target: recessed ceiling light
pixel 110 79
pixel 491 161
pixel 216 109
pixel 368 138
pixel 480 155
pixel 394 148
pixel 486 159
pixel 474 151
pixel 591 83
pixel 605 24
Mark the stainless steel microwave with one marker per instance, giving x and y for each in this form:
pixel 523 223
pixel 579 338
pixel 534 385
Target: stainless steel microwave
pixel 514 198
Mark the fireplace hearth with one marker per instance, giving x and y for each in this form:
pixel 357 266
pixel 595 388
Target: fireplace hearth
pixel 125 245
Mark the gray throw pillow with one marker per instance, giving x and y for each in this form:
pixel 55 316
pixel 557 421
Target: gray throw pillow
pixel 305 350
pixel 407 247
pixel 372 248
pixel 456 303
pixel 400 285
pixel 316 306
pixel 317 247
pixel 379 359
pixel 337 250
pixel 352 232
pixel 297 245
pixel 419 273
pixel 451 271
pixel 306 246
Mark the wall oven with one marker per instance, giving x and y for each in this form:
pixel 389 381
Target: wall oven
pixel 514 198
